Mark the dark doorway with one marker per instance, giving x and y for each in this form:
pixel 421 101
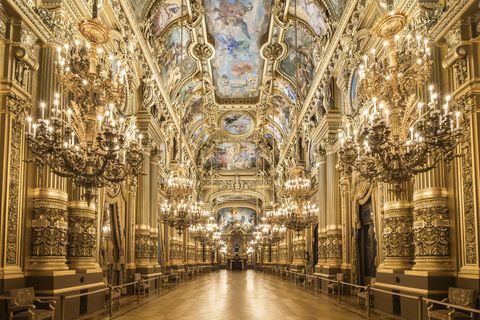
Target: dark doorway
pixel 367 244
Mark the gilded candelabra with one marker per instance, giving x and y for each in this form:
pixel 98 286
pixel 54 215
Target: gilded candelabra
pixel 83 134
pixel 388 140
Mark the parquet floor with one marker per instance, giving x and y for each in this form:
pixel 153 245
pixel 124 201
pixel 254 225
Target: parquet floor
pixel 247 295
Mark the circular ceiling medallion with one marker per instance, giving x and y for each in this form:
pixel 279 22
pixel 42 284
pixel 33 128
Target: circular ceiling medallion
pixel 237 123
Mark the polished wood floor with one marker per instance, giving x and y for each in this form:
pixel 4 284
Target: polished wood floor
pixel 238 295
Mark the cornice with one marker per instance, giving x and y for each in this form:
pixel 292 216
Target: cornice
pixel 31 19
pixel 450 17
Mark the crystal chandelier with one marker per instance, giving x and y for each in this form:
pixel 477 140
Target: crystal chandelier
pixel 177 211
pixel 203 231
pixel 272 233
pixel 299 215
pixel 388 140
pixel 83 135
pixel 200 215
pixel 297 212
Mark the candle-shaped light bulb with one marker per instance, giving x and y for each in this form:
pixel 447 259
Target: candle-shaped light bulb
pixel 29 120
pixel 69 115
pixel 42 108
pixel 457 116
pixel 34 126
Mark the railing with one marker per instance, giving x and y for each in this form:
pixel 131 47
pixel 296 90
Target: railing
pixel 337 288
pixel 113 294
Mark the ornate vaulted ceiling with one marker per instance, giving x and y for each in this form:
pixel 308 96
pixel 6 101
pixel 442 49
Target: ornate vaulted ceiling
pixel 236 71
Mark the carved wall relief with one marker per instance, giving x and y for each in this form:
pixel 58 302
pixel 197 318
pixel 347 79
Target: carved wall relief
pixel 49 230
pixel 82 234
pixel 397 234
pixel 142 244
pixel 17 109
pixel 468 207
pixel 431 228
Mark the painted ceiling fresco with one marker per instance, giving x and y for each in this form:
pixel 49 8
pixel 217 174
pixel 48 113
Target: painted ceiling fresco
pixel 238 218
pixel 164 13
pixel 304 68
pixel 275 131
pixel 237 26
pixel 310 12
pixel 173 69
pixel 193 112
pixel 287 90
pixel 237 123
pixel 235 156
pixel 281 113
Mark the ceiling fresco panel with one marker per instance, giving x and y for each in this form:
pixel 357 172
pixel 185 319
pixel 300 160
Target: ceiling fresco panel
pixel 164 13
pixel 287 90
pixel 310 12
pixel 235 156
pixel 173 56
pixel 281 115
pixel 237 123
pixel 304 68
pixel 237 26
pixel 237 218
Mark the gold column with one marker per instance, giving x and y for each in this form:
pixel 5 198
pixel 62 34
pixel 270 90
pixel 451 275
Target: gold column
pixel 142 218
pixel 345 196
pixel 334 222
pixel 298 251
pixel 50 200
pixel 431 223
pixel 49 224
pixel 154 231
pixel 82 232
pixel 322 213
pixel 397 232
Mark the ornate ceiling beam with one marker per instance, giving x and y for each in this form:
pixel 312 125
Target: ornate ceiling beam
pixel 272 51
pixel 129 14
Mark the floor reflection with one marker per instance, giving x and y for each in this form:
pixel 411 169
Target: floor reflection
pixel 237 295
